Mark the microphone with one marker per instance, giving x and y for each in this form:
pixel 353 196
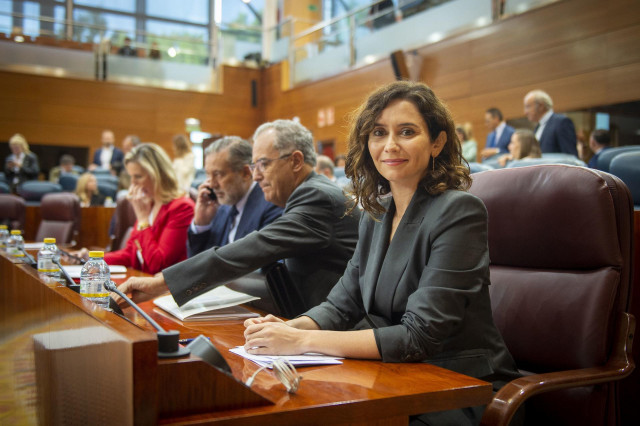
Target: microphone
pixel 168 346
pixel 30 260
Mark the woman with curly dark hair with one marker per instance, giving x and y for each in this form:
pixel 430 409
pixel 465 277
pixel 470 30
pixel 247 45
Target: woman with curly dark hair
pixel 420 273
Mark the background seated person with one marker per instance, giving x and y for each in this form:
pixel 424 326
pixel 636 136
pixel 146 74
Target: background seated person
pixel 66 167
pixel 163 213
pixel 599 140
pixel 420 272
pixel 239 207
pixel 523 145
pixel 87 191
pixel 21 164
pixel 469 147
pixel 313 236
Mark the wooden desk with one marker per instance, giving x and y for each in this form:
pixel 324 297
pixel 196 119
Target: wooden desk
pixel 148 391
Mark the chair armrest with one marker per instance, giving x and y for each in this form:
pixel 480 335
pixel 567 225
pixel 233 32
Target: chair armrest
pixel 620 364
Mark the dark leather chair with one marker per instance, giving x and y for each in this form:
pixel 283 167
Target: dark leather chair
pixel 60 218
pixel 68 181
pixel 125 218
pixel 561 248
pixel 605 158
pixel 33 190
pixel 12 209
pixel 627 167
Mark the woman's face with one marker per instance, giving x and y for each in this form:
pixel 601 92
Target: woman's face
pixel 92 184
pixel 515 148
pixel 16 148
pixel 140 178
pixel 400 145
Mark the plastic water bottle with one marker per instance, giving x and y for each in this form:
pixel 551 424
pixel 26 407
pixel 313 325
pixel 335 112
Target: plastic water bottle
pixel 4 236
pixel 15 244
pixel 47 256
pixel 93 275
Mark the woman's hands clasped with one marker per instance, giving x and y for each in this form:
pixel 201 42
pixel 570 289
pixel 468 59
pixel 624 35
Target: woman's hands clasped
pixel 271 336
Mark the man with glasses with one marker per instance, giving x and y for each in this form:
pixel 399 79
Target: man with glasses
pixel 230 204
pixel 313 236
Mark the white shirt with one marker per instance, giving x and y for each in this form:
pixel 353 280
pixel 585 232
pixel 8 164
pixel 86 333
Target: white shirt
pixel 543 122
pixel 105 157
pixel 499 131
pixel 197 229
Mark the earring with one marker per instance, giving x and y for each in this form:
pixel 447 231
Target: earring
pixel 433 165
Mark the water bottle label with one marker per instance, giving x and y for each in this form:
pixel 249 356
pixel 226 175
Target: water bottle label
pixel 47 266
pixel 15 252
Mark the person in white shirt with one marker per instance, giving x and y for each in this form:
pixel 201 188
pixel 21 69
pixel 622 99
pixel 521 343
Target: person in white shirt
pixel 108 154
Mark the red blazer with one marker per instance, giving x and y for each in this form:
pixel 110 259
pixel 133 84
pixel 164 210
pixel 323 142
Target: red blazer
pixel 163 244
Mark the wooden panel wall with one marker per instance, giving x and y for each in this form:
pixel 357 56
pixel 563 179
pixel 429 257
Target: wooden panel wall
pixel 583 52
pixel 61 111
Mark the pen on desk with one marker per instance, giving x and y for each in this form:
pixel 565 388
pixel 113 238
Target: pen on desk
pixel 187 341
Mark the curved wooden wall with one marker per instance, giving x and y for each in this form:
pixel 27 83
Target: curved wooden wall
pixel 583 52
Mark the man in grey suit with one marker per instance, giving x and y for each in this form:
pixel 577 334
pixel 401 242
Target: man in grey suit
pixel 313 235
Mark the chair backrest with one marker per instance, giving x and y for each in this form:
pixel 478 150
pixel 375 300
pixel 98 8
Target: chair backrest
pixel 606 156
pixel 60 214
pixel 113 180
pixel 34 190
pixel 560 247
pixel 479 167
pixel 627 167
pixel 12 210
pixel 4 188
pixel 569 160
pixel 125 218
pixel 68 181
pixel 108 189
pixel 3 177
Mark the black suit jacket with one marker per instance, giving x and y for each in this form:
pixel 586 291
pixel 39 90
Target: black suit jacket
pixel 313 236
pixel 28 171
pixel 559 135
pixel 116 157
pixel 426 292
pixel 257 213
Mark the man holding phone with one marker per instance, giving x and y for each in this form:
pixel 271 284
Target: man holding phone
pixel 230 204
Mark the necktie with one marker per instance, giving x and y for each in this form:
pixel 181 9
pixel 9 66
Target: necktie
pixel 230 222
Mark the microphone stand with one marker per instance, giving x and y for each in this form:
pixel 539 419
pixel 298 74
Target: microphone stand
pixel 168 346
pixel 31 260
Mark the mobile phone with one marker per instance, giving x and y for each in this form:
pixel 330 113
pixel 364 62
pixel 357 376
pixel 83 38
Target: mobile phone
pixel 212 194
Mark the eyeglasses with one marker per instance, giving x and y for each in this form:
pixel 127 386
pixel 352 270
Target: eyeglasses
pixel 263 163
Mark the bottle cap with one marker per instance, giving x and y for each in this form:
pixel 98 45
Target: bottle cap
pixel 15 232
pixel 49 240
pixel 3 227
pixel 96 254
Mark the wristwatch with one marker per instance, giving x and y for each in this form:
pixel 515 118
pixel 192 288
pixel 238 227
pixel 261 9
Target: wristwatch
pixel 143 225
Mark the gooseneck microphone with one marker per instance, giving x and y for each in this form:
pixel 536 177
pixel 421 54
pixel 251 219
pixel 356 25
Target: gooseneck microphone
pixel 31 260
pixel 168 346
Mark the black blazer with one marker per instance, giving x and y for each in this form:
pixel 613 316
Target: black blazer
pixel 116 158
pixel 559 135
pixel 28 171
pixel 427 291
pixel 257 214
pixel 313 236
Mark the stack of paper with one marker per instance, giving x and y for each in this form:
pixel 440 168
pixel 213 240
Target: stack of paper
pixel 115 270
pixel 297 360
pixel 219 303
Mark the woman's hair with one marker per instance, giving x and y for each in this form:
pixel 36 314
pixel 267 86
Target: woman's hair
pixel 448 172
pixel 182 145
pixel 18 139
pixel 81 188
pixel 529 146
pixel 156 163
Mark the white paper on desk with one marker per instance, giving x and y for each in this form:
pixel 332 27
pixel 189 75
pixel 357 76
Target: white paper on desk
pixel 33 246
pixel 296 360
pixel 74 270
pixel 218 298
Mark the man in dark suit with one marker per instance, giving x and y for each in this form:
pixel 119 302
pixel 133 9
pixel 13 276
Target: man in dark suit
pixel 239 207
pixel 598 142
pixel 313 236
pixel 108 155
pixel 499 136
pixel 555 132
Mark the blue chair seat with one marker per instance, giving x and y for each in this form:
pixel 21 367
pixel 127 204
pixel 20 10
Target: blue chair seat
pixel 606 156
pixel 33 190
pixel 68 181
pixel 627 167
